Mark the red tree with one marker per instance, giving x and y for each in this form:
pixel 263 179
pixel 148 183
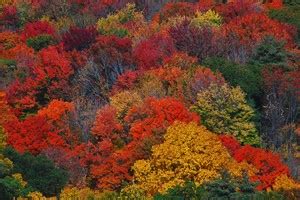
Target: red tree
pixel 111 162
pixel 48 78
pixel 79 38
pixel 34 134
pixel 150 53
pixel 267 164
pixel 38 28
pixel 252 28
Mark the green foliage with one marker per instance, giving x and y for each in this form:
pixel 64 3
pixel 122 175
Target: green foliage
pixel 225 110
pixel 187 191
pixel 39 42
pixel 7 62
pixel 270 51
pixel 39 172
pixel 248 77
pixel 225 187
pixel 10 187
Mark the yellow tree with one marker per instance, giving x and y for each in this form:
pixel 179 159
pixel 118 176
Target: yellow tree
pixel 224 110
pixel 189 152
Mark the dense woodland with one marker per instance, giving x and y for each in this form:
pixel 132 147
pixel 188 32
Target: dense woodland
pixel 149 99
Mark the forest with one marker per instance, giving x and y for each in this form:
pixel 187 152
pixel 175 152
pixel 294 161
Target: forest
pixel 149 100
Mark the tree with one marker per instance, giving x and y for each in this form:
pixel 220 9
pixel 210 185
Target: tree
pixel 234 9
pixel 268 165
pixel 270 51
pixel 47 79
pixel 258 26
pixel 79 38
pixel 113 56
pixel 174 9
pixel 40 173
pixel 126 22
pixel 34 134
pixel 225 110
pixel 121 140
pixel 150 53
pixel 195 41
pixel 251 82
pixel 189 152
pixel 38 28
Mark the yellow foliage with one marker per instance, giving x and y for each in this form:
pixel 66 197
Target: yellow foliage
pixel 5 2
pixel 86 193
pixel 117 24
pixel 225 110
pixel 283 182
pixel 63 23
pixel 6 164
pixel 188 152
pixel 210 18
pixel 35 196
pixel 150 86
pixel 124 100
pixel 2 138
pixel 19 178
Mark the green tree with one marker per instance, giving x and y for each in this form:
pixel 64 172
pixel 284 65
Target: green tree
pixel 247 76
pixel 224 110
pixel 269 51
pixel 39 172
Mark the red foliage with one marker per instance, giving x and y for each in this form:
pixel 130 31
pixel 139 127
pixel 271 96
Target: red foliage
pixel 48 78
pixel 34 134
pixel 155 115
pixel 282 82
pixel 204 77
pixel 59 114
pixel 9 15
pixel 8 41
pixel 106 124
pixel 38 28
pixel 237 8
pixel 198 42
pixel 79 38
pixel 111 163
pixel 267 164
pixel 6 112
pixel 126 81
pixel 252 28
pixel 274 4
pixel 150 53
pixel 231 144
pixel 175 9
pixel 78 59
pixel 179 59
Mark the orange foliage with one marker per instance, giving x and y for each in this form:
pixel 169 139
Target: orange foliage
pixel 251 28
pixel 156 115
pixel 6 113
pixel 268 165
pixel 106 123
